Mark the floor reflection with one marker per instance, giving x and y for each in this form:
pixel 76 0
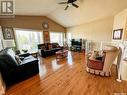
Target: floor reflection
pixel 42 70
pixel 56 65
pixel 69 58
pixel 50 64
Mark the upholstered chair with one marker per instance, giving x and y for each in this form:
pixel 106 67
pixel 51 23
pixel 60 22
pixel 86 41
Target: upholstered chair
pixel 101 65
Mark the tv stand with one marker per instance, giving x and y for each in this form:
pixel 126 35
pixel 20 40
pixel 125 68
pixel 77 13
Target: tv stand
pixel 77 44
pixel 76 48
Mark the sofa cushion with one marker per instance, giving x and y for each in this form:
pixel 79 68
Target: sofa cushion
pixel 43 47
pixel 95 64
pixel 47 50
pixel 49 46
pixel 39 46
pixel 28 59
pixel 55 45
pixel 46 46
pixel 8 58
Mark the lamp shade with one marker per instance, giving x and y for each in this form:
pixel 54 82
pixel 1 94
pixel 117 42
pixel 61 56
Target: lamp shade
pixel 9 43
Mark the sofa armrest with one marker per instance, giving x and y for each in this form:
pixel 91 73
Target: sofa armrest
pixel 29 66
pixel 23 72
pixel 24 55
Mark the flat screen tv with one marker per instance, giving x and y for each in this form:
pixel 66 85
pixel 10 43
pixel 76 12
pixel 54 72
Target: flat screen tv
pixel 76 42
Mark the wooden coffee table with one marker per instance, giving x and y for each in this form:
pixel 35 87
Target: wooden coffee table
pixel 61 54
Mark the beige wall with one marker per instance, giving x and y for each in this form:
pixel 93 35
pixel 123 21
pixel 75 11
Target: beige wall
pixel 97 31
pixel 32 22
pixel 120 21
pixel 126 30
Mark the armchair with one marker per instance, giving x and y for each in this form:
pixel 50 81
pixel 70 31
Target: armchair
pixel 103 65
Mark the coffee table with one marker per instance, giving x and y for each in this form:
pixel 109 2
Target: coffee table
pixel 61 54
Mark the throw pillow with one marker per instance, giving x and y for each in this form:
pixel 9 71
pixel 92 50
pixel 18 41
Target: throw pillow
pixel 96 55
pixel 43 48
pixel 18 59
pixel 55 45
pixel 46 46
pixel 21 58
pixel 99 58
pixel 50 46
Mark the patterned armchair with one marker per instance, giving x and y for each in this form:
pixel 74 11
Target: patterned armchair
pixel 101 65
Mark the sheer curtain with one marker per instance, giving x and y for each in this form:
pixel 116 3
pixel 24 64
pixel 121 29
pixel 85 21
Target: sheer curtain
pixel 28 39
pixel 57 37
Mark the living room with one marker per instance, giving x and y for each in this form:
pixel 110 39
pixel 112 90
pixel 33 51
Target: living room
pixel 57 42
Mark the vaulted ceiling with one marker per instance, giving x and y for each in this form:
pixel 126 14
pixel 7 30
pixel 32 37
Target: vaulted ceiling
pixel 89 10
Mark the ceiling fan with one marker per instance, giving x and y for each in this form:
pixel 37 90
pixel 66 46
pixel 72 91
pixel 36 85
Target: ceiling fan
pixel 69 3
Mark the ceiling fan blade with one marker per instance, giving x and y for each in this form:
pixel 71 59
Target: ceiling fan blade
pixel 66 7
pixel 62 3
pixel 75 5
pixel 74 0
pixel 71 1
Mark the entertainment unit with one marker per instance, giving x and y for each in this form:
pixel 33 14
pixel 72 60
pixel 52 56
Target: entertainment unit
pixel 78 44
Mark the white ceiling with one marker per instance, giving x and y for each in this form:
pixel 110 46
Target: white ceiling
pixel 88 11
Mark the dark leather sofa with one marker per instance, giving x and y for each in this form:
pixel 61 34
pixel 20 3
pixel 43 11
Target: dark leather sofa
pixel 45 51
pixel 13 72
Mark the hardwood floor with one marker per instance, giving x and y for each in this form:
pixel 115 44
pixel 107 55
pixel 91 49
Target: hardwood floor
pixel 68 77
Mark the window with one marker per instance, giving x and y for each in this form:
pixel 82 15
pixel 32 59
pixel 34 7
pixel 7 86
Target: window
pixel 69 37
pixel 28 39
pixel 57 37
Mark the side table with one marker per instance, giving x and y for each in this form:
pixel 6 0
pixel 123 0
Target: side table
pixel 61 54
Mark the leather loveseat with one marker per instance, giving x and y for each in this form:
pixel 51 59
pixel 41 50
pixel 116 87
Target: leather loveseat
pixel 48 49
pixel 13 72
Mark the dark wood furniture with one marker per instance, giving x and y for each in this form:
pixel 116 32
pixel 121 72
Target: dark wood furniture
pixel 78 45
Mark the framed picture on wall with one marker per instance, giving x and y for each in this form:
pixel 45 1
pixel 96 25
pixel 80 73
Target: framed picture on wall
pixel 46 36
pixel 8 33
pixel 117 34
